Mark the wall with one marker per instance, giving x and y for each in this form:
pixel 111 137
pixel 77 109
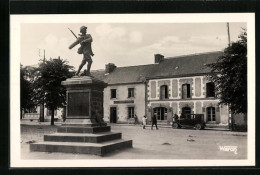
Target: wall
pixel 36 116
pixel 57 114
pixel 239 122
pixel 198 101
pixel 122 108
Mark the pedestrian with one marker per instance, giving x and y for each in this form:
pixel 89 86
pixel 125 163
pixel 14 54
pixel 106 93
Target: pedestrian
pixel 154 122
pixel 135 117
pixel 144 121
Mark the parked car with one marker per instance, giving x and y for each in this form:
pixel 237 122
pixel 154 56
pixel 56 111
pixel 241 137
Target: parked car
pixel 190 120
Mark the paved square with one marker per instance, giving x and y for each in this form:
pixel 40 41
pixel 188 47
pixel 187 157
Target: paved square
pixel 165 143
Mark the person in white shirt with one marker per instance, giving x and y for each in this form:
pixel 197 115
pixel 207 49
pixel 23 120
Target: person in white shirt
pixel 144 121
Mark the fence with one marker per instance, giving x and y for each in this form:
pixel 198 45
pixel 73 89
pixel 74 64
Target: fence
pixel 31 116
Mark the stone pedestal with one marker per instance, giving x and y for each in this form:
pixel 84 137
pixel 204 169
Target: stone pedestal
pixel 84 101
pixel 84 130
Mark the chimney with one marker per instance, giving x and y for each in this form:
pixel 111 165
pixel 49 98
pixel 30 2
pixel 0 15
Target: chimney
pixel 110 67
pixel 158 58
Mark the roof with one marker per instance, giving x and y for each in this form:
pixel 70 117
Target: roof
pixel 170 67
pixel 185 65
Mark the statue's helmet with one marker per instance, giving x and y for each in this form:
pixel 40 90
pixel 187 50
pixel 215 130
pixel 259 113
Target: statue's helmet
pixel 82 28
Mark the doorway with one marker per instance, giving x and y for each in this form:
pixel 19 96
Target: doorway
pixel 211 114
pixel 113 115
pixel 160 113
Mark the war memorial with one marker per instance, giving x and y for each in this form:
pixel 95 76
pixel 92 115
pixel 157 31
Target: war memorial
pixel 84 130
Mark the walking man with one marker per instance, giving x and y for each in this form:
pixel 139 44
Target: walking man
pixel 144 121
pixel 154 122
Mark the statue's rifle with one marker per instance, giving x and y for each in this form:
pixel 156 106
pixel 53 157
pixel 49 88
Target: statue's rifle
pixel 76 42
pixel 73 33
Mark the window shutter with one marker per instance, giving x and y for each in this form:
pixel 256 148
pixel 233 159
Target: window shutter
pixel 184 91
pixel 188 91
pixel 162 92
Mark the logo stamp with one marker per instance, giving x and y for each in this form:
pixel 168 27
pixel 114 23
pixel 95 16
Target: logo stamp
pixel 228 149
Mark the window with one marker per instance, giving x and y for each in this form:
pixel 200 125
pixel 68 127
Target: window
pixel 164 92
pixel 131 112
pixel 113 93
pixel 210 88
pixel 211 114
pixel 130 92
pixel 186 91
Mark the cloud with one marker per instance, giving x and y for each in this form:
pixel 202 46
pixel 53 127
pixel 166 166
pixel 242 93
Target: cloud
pixel 54 47
pixel 174 46
pixel 184 38
pixel 135 37
pixel 106 32
pixel 51 40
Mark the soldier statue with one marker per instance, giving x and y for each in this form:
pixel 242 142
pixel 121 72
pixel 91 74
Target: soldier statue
pixel 85 41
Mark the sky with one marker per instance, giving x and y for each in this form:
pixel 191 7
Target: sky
pixel 124 44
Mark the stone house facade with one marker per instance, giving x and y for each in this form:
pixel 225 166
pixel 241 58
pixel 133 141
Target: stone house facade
pixel 127 101
pixel 198 101
pixel 125 95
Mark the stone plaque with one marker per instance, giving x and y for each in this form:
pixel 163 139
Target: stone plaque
pixel 123 101
pixel 78 104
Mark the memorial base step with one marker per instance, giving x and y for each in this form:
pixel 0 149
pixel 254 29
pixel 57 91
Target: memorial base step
pixel 82 129
pixel 82 148
pixel 82 137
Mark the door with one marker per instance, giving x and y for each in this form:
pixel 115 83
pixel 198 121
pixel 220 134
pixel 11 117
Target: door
pixel 160 113
pixel 113 115
pixel 186 111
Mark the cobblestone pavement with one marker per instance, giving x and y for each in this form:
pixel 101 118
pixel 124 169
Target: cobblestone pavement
pixel 165 143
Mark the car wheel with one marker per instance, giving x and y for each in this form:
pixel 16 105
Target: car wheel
pixel 175 125
pixel 198 126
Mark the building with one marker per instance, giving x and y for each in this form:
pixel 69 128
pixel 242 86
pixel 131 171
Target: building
pixel 125 95
pixel 169 86
pixel 34 115
pixel 180 86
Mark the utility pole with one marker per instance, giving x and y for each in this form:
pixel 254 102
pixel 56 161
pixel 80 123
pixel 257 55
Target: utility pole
pixel 41 118
pixel 228 35
pixel 230 117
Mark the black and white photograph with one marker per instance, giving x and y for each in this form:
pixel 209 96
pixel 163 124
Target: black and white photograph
pixel 132 90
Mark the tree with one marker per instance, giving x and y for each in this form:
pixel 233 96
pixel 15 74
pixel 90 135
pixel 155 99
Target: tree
pixel 230 75
pixel 47 86
pixel 26 90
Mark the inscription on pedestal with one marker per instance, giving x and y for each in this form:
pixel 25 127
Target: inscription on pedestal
pixel 78 104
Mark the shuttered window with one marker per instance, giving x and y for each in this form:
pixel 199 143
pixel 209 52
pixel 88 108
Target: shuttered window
pixel 210 88
pixel 186 91
pixel 164 93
